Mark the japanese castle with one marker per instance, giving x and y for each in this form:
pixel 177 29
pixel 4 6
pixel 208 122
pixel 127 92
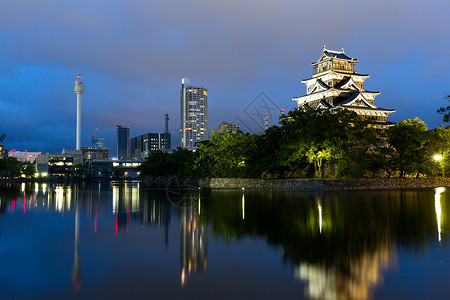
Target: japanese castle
pixel 335 83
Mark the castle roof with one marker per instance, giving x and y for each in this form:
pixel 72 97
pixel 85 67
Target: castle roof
pixel 337 54
pixel 346 101
pixel 327 53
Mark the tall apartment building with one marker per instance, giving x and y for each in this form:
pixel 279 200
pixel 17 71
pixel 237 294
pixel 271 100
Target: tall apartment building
pixel 193 115
pixel 123 142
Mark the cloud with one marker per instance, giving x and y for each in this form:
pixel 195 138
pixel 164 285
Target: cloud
pixel 133 54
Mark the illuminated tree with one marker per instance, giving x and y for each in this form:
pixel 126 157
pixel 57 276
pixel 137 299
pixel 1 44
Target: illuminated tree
pixel 324 137
pixel 408 140
pixel 225 155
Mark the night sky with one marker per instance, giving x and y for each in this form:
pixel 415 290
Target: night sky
pixel 133 54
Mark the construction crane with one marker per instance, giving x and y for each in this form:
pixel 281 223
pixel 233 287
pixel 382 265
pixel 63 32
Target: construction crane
pixel 93 134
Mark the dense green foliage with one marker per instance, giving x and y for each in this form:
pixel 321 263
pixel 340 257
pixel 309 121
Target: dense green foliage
pixel 12 168
pixel 180 162
pixel 313 144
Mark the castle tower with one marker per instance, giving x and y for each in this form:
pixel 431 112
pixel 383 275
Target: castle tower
pixel 335 83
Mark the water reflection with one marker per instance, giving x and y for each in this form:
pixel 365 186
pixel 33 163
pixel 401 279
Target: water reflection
pixel 354 280
pixel 338 245
pixel 194 240
pixel 76 271
pixel 437 206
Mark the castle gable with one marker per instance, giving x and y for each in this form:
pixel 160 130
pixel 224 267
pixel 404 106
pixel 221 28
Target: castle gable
pixel 319 86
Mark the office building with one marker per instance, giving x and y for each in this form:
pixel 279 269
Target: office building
pixel 91 153
pixel 193 115
pixel 123 142
pixel 59 165
pixel 143 144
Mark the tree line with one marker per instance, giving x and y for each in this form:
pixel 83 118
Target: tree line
pixel 313 144
pixel 12 168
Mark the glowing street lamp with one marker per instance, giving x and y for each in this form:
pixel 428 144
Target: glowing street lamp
pixel 438 159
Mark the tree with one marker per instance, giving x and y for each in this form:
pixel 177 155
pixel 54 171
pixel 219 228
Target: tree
pixel 323 136
pixel 445 110
pixel 439 144
pixel 180 162
pixel 225 155
pixel 266 158
pixel 119 172
pixel 11 167
pixel 2 137
pixel 104 172
pixel 156 164
pixel 27 169
pixel 79 170
pixel 408 139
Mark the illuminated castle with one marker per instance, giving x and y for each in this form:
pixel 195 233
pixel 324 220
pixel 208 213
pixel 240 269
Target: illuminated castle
pixel 335 83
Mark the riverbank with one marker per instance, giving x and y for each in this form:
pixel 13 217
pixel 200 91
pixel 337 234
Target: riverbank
pixel 265 184
pixel 57 180
pixel 325 185
pixel 296 184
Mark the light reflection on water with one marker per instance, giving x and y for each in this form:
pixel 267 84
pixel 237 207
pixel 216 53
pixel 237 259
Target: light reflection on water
pixel 338 245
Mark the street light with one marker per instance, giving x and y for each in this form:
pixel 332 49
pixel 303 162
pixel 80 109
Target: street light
pixel 438 159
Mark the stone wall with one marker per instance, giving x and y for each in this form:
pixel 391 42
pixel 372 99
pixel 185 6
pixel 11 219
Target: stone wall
pixel 314 185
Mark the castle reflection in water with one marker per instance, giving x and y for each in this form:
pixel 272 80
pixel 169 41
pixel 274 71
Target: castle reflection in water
pixel 336 251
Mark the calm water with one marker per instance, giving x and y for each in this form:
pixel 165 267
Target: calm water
pixel 113 241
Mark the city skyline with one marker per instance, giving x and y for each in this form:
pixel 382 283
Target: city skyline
pixel 132 56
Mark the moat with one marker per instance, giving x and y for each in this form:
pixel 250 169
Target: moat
pixel 120 240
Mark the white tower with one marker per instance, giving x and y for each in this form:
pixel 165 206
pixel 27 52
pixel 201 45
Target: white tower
pixel 78 87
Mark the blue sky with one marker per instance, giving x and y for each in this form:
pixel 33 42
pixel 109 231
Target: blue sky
pixel 133 54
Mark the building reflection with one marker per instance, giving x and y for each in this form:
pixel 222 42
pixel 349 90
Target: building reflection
pixel 128 205
pixel 353 274
pixel 76 271
pixel 356 279
pixel 340 245
pixel 194 240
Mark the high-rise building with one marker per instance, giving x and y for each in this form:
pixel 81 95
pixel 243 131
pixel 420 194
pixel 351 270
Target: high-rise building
pixel 193 115
pixel 123 142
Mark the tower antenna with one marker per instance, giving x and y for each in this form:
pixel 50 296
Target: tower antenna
pixel 78 87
